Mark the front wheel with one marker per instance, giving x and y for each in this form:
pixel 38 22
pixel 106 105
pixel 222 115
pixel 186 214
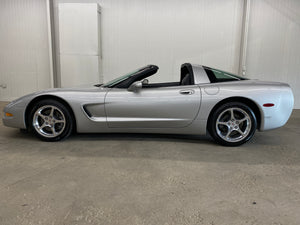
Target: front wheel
pixel 232 124
pixel 50 120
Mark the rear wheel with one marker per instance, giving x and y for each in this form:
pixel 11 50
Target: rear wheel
pixel 232 124
pixel 50 120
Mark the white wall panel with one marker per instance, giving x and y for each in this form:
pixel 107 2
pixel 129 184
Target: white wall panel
pixel 79 70
pixel 168 33
pixel 24 53
pixel 79 43
pixel 274 43
pixel 78 29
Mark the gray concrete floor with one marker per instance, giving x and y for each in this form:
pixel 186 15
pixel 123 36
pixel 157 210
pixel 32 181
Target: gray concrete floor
pixel 150 179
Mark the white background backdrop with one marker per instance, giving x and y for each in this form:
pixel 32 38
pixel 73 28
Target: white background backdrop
pixel 24 50
pixel 163 32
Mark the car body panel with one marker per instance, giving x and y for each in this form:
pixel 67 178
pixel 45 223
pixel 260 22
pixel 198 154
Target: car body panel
pixel 259 92
pixel 160 110
pixel 200 75
pixel 162 107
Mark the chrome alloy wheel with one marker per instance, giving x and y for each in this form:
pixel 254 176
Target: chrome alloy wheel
pixel 233 124
pixel 49 121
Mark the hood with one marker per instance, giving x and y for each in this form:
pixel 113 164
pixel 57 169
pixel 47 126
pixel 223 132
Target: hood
pixel 83 88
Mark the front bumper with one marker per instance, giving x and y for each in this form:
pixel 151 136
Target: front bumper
pixel 17 109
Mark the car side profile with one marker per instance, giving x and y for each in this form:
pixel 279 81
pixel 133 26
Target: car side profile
pixel 204 101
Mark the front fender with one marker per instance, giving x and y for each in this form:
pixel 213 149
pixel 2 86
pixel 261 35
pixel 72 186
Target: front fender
pixel 17 109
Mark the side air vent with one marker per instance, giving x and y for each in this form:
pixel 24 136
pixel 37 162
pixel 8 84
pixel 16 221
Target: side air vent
pixel 87 111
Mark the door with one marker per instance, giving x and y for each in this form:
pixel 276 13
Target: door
pixel 163 107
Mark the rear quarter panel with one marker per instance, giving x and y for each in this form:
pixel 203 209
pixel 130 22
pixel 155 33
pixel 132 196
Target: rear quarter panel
pixel 259 92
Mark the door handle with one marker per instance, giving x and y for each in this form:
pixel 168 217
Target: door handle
pixel 187 92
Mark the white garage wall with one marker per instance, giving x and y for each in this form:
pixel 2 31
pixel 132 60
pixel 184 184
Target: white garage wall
pixel 168 33
pixel 79 44
pixel 24 53
pixel 274 43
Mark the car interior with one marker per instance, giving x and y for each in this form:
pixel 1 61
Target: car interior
pixel 186 77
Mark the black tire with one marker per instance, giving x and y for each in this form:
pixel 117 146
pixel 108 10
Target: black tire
pixel 232 131
pixel 51 127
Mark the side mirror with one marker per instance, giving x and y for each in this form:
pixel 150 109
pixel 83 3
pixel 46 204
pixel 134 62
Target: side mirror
pixel 145 81
pixel 134 87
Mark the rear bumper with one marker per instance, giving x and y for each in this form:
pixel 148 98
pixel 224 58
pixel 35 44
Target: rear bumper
pixel 278 115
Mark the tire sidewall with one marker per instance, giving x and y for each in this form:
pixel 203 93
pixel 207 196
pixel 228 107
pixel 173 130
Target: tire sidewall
pixel 212 123
pixel 69 121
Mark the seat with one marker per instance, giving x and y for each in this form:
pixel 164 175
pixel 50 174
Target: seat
pixel 186 74
pixel 186 80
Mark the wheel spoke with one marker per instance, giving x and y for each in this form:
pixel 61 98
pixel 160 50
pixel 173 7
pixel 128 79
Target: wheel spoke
pixel 231 114
pixel 222 123
pixel 228 133
pixel 51 112
pixel 41 115
pixel 59 121
pixel 242 120
pixel 241 132
pixel 53 130
pixel 42 126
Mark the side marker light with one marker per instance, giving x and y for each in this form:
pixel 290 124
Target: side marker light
pixel 268 105
pixel 9 114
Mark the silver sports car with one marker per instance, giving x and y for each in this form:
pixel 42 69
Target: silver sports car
pixel 230 108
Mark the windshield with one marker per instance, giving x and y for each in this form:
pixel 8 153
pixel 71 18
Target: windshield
pixel 124 77
pixel 120 79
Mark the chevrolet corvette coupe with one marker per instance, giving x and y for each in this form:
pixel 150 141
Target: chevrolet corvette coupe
pixel 205 100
